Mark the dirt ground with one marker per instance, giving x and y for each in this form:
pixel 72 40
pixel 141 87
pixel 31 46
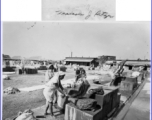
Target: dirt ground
pixel 12 104
pixel 21 81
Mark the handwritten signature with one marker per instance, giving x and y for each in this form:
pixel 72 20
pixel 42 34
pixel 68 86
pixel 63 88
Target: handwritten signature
pixel 100 13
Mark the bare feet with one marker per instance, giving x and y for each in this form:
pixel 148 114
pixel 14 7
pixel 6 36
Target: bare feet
pixel 45 114
pixel 53 116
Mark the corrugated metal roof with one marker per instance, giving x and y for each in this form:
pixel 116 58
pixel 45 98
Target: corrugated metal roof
pixel 80 57
pixel 79 60
pixel 130 63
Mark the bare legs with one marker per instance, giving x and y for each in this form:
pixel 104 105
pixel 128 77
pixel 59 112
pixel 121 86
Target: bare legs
pixel 55 98
pixel 46 107
pixel 49 105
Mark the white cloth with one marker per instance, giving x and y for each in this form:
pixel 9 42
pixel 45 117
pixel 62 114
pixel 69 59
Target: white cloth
pixel 49 94
pixel 5 77
pixel 53 81
pixel 25 116
pixel 135 74
pixel 50 88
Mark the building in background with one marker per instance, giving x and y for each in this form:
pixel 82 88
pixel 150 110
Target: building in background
pixel 104 58
pixel 88 61
pixel 6 59
pixel 85 61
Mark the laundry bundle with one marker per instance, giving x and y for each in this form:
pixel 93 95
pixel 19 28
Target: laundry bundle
pixel 78 90
pixel 11 90
pixel 5 77
pixel 26 115
pixel 86 104
pixel 91 93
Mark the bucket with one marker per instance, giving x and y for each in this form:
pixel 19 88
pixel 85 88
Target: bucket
pixel 61 100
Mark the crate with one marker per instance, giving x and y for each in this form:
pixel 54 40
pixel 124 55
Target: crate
pixel 107 108
pixel 131 79
pixel 104 99
pixel 126 86
pixel 72 113
pixel 115 100
pixel 114 92
pixel 108 101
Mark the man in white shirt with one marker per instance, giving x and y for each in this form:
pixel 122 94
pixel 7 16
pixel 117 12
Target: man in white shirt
pixel 50 89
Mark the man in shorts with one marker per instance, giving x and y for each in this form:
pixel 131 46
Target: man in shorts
pixel 50 90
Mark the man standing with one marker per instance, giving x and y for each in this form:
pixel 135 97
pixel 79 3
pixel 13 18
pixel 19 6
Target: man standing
pixel 50 90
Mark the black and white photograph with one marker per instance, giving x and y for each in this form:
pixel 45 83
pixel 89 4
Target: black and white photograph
pixel 79 10
pixel 76 71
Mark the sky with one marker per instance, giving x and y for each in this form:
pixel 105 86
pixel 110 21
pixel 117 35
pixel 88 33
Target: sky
pixel 56 40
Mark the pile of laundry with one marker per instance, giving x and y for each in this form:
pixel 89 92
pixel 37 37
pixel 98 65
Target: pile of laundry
pixel 87 102
pixel 5 77
pixel 11 90
pixel 92 91
pixel 81 96
pixel 78 89
pixel 26 115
